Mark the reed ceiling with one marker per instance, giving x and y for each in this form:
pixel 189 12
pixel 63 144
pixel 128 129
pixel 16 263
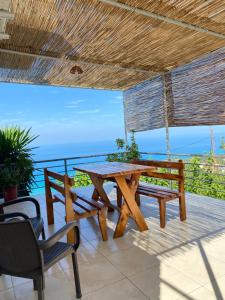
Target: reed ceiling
pixel 115 48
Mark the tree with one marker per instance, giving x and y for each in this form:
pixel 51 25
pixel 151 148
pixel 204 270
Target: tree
pixel 127 153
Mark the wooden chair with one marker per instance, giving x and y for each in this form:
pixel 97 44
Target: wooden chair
pixel 162 194
pixel 77 206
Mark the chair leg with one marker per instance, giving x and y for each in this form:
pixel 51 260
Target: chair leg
pixel 182 206
pixel 43 234
pixel 162 212
pixel 119 197
pixel 35 284
pixel 76 275
pixel 39 285
pixel 137 199
pixel 102 224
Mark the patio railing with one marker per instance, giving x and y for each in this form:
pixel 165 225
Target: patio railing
pixel 203 174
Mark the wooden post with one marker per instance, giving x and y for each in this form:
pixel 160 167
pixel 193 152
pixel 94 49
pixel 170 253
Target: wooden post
pixel 165 100
pixel 125 125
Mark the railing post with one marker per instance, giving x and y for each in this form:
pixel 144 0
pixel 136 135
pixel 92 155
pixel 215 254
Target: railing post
pixel 65 167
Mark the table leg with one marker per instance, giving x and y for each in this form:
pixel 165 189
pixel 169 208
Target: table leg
pixel 128 189
pixel 100 192
pixel 95 195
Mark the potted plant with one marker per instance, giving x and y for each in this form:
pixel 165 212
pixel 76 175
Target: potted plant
pixel 16 169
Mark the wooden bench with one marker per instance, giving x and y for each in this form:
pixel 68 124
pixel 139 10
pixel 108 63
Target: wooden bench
pixel 162 194
pixel 59 188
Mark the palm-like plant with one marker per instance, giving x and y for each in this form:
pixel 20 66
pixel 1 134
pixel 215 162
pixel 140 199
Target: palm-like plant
pixel 16 158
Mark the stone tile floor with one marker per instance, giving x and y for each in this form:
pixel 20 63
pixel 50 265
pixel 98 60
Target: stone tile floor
pixel 186 260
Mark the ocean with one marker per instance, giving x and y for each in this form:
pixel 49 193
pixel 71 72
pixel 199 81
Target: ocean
pixel 179 144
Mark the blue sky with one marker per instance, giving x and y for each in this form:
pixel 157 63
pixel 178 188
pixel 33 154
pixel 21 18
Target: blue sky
pixel 63 115
pixel 72 115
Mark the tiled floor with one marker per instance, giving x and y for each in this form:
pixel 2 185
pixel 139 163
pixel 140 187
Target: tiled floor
pixel 186 260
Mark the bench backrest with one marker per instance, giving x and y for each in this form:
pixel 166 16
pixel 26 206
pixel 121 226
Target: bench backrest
pixel 163 164
pixel 62 184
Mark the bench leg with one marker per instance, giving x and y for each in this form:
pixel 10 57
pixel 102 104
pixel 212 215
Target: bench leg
pixel 137 199
pixel 50 212
pixel 182 206
pixel 102 224
pixel 162 212
pixel 119 197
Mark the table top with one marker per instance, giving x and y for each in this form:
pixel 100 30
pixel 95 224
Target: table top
pixel 113 169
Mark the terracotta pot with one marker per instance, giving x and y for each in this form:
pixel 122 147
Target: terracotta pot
pixel 10 193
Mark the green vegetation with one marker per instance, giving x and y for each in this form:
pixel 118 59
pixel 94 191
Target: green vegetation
pixel 16 167
pixel 203 175
pixel 81 179
pixel 127 152
pixel 222 144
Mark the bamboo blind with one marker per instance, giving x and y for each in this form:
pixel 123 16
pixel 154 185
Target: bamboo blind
pixel 195 96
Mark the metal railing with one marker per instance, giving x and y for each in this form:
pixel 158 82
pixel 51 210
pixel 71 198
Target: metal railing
pixel 201 177
pixel 63 166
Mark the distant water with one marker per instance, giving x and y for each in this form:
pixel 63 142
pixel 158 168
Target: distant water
pixel 157 144
pixel 179 144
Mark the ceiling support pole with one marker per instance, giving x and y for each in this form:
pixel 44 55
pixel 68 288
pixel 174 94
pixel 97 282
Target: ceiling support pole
pixel 125 124
pixel 165 19
pixel 71 59
pixel 165 102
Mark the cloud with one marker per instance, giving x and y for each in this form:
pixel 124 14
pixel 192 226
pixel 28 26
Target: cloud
pixel 89 111
pixel 16 113
pixel 117 100
pixel 11 121
pixel 74 103
pixel 108 115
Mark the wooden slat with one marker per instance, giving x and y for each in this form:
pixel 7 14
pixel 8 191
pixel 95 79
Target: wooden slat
pixel 59 198
pixel 91 202
pixel 157 193
pixel 159 164
pixel 54 175
pixel 158 188
pixel 57 187
pixel 85 206
pixel 163 176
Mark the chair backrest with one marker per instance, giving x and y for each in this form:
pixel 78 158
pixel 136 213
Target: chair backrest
pixel 19 251
pixel 163 164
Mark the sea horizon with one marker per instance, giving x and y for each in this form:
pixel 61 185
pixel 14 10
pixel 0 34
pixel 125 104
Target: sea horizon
pixel 158 144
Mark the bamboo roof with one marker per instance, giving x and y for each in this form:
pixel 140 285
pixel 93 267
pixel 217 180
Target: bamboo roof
pixel 117 44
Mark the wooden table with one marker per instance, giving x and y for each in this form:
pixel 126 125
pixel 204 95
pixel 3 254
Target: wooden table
pixel 127 178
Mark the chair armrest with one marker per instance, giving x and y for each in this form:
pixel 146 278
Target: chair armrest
pixel 24 199
pixel 59 234
pixel 12 215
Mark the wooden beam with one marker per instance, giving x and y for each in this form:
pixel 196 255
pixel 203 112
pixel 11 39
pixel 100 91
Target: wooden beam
pixel 73 59
pixel 159 17
pixel 165 102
